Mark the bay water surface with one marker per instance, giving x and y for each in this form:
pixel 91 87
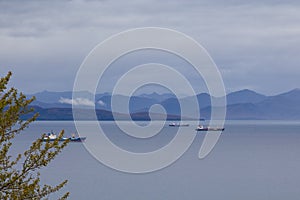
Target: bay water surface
pixel 252 160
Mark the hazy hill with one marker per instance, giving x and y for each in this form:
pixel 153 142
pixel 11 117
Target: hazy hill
pixel 136 103
pixel 282 106
pixel 157 97
pixel 244 96
pixel 244 104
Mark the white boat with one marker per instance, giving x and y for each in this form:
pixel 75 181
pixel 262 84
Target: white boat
pixel 203 128
pixel 51 137
pixel 178 124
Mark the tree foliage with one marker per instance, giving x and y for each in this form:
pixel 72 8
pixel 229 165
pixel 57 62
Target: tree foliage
pixel 19 174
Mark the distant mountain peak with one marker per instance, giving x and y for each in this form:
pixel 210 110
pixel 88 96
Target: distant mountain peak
pixel 150 94
pixel 293 94
pixel 247 91
pixel 295 90
pixel 157 96
pixel 244 96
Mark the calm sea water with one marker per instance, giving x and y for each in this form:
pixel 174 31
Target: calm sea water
pixel 252 160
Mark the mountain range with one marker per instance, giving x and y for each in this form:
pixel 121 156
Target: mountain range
pixel 241 105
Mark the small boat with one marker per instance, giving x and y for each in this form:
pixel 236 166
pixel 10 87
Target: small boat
pixel 77 139
pixel 51 137
pixel 202 128
pixel 177 124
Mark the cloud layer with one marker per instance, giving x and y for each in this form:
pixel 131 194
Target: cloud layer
pixel 254 43
pixel 77 101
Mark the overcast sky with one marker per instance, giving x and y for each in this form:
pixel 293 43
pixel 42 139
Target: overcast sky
pixel 255 44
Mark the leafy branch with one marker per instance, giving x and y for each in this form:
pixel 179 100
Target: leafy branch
pixel 21 180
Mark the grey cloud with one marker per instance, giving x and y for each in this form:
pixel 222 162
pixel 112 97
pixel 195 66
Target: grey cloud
pixel 243 37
